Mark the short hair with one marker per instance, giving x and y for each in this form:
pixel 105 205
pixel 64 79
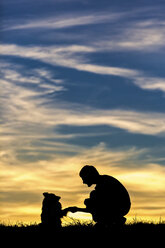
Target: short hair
pixel 88 170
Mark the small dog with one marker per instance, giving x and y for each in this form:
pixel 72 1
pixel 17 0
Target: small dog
pixel 52 211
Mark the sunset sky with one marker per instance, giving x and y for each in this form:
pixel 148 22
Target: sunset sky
pixel 82 82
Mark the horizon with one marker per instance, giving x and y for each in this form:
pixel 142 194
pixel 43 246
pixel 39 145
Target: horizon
pixel 82 82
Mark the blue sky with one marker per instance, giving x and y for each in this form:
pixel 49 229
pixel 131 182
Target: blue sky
pixel 82 82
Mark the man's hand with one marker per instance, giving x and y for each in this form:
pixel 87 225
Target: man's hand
pixel 76 209
pixel 73 209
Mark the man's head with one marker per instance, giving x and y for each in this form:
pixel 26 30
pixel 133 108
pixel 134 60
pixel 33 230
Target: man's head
pixel 89 175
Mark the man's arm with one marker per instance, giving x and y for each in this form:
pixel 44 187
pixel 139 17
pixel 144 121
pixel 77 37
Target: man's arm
pixel 75 209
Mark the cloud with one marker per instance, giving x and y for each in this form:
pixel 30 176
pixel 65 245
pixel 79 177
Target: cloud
pixel 66 56
pixel 28 127
pixel 146 190
pixel 36 113
pixel 25 83
pixel 145 36
pixel 32 112
pixel 73 57
pixel 151 83
pixel 67 21
pixel 22 186
pixel 107 70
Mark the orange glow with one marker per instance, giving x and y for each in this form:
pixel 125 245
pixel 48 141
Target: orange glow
pixel 22 186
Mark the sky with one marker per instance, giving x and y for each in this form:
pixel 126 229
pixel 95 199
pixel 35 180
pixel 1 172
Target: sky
pixel 82 82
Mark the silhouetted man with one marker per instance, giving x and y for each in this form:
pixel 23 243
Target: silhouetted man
pixel 109 202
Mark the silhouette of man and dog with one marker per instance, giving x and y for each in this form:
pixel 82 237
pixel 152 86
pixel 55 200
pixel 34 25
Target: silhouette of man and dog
pixel 108 203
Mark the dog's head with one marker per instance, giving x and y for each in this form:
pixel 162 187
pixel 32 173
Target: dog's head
pixel 50 196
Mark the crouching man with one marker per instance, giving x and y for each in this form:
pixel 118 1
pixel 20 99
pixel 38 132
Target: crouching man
pixel 109 202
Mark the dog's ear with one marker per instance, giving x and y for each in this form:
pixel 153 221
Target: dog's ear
pixel 58 198
pixel 45 194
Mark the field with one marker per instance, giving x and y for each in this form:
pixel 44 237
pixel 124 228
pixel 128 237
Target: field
pixel 137 232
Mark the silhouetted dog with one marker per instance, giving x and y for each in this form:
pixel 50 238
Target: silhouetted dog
pixel 52 211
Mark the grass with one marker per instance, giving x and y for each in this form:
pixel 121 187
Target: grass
pixel 87 226
pixel 136 231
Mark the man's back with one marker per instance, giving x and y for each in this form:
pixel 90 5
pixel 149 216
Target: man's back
pixel 111 195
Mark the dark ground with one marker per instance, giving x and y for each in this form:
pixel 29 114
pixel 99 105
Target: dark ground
pixel 130 235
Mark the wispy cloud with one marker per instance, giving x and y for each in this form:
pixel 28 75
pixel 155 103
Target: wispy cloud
pixel 132 34
pixel 67 56
pixel 108 70
pixel 151 83
pixel 145 36
pixel 66 21
pixel 74 57
pixel 30 107
pixel 41 80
